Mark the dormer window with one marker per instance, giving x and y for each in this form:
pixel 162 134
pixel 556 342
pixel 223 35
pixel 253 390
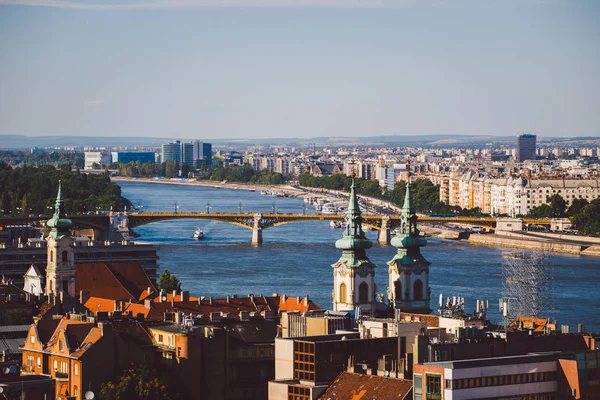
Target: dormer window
pixel 61 345
pixel 32 339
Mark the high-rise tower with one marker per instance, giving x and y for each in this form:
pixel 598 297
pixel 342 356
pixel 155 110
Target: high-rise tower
pixel 353 273
pixel 408 271
pixel 526 147
pixel 60 270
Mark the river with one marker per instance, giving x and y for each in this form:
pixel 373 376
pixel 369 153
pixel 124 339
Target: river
pixel 296 258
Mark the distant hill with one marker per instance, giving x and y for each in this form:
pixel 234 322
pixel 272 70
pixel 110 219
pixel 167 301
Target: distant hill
pixel 434 140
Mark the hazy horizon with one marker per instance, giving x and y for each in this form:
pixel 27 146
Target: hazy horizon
pixel 332 68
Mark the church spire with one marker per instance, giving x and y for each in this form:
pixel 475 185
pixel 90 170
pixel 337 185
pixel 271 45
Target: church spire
pixel 59 223
pixel 353 273
pixel 353 238
pixel 408 287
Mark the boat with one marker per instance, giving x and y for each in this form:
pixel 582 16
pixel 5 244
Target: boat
pixel 366 228
pixel 329 208
pixel 263 192
pixel 198 234
pixel 318 207
pixel 336 224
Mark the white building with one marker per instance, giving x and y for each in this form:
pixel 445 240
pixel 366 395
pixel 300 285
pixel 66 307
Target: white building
pixel 96 157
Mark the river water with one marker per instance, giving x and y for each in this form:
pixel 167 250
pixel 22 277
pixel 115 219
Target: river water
pixel 296 258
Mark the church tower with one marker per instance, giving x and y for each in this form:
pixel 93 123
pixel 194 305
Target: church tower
pixel 353 273
pixel 408 271
pixel 60 268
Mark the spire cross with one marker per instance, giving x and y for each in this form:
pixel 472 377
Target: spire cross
pixel 352 163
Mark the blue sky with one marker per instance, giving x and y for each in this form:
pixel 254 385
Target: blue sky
pixel 305 68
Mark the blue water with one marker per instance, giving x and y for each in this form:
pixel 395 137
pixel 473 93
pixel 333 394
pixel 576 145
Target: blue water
pixel 296 258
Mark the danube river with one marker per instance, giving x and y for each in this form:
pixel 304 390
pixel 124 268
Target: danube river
pixel 296 258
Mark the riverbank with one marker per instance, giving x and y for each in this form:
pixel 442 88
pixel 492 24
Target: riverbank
pixel 288 190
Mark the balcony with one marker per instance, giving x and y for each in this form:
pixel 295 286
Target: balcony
pixel 61 375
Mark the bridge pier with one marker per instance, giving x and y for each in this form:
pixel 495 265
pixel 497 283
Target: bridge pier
pixel 257 229
pixel 385 231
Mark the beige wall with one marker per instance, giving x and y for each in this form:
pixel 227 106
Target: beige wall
pixel 284 359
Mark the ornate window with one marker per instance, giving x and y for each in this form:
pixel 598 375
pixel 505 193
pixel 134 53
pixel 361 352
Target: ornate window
pixel 418 290
pixel 65 256
pixel 343 295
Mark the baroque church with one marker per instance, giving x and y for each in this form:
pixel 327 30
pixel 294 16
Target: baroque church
pixel 354 274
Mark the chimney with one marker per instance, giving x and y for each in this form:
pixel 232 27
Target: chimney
pixel 210 300
pixel 84 296
pixel 283 298
pixel 199 301
pixel 185 295
pixel 105 327
pixel 227 299
pixel 149 290
pixel 306 300
pixel 174 294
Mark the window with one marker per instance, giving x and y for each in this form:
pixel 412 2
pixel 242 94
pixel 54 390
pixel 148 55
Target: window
pixel 363 293
pixel 179 352
pixel 32 339
pixel 418 385
pixel 30 363
pixel 61 345
pixel 160 338
pixel 76 369
pixel 64 367
pixel 55 365
pixel 65 256
pixel 75 390
pixel 39 362
pixel 418 290
pixel 434 386
pixel 343 298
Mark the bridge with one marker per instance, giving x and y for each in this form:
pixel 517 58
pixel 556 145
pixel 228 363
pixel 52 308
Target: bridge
pixel 253 221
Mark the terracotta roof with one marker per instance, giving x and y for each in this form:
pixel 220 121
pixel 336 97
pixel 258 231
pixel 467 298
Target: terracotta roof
pixel 116 281
pixel 350 386
pixel 296 304
pixel 46 328
pixel 537 324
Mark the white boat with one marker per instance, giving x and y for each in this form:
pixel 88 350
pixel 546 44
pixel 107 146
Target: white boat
pixel 336 224
pixel 198 234
pixel 318 207
pixel 264 192
pixel 329 208
pixel 367 228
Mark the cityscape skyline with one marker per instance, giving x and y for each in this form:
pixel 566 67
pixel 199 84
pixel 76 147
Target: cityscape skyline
pixel 185 69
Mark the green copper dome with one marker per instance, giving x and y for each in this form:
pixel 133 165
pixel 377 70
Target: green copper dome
pixel 407 240
pixel 60 224
pixel 353 238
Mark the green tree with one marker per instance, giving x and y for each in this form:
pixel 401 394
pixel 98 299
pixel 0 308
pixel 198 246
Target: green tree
pixel 558 206
pixel 168 282
pixel 588 219
pixel 142 383
pixel 170 169
pixel 576 206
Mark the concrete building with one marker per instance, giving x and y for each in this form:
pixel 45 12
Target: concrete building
pixel 96 157
pixel 526 147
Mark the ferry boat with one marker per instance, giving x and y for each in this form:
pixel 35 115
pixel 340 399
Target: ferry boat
pixel 198 234
pixel 329 208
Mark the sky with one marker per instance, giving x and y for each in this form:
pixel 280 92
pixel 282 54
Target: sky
pixel 299 68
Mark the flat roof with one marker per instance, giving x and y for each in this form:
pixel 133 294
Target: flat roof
pixel 491 362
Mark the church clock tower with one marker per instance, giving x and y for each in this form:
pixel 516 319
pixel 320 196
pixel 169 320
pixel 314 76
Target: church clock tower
pixel 353 273
pixel 408 271
pixel 60 269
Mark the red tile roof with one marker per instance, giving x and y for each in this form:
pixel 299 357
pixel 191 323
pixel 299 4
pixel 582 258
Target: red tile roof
pixel 350 386
pixel 116 281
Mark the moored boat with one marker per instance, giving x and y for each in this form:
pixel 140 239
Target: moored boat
pixel 198 234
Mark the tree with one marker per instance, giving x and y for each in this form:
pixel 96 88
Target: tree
pixel 169 282
pixel 576 206
pixel 558 206
pixel 139 384
pixel 588 219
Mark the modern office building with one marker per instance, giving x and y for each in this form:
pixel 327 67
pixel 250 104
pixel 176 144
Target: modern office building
pixel 126 157
pixel 202 153
pixel 193 154
pixel 171 152
pixel 526 147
